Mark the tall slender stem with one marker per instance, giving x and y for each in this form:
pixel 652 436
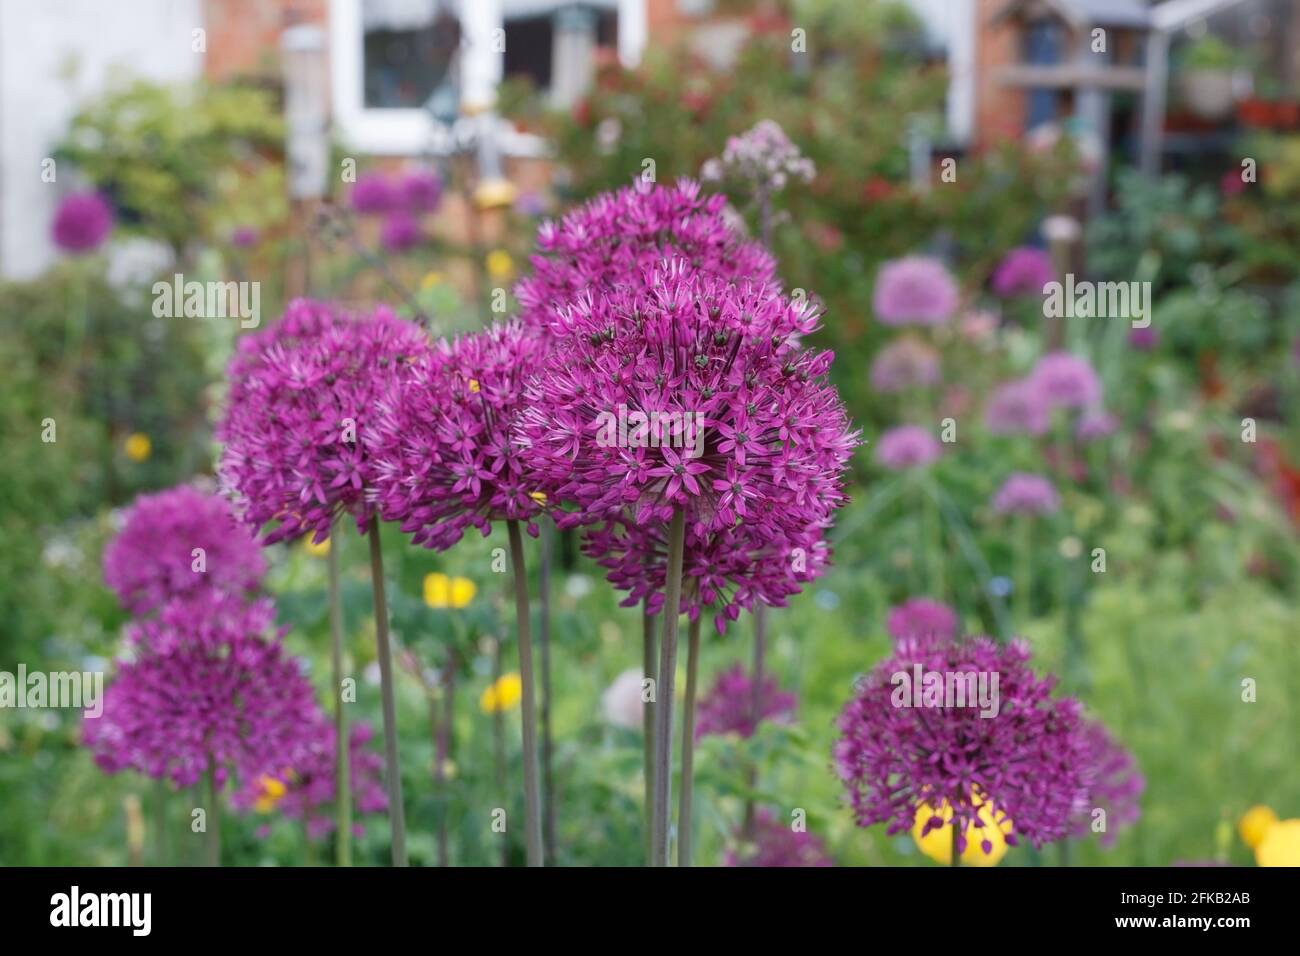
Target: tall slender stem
pixel 499 740
pixel 956 857
pixel 160 822
pixel 688 746
pixel 214 818
pixel 650 670
pixel 532 797
pixel 396 811
pixel 544 645
pixel 664 689
pixel 342 758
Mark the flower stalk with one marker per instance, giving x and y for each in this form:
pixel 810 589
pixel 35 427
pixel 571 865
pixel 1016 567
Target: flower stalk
pixel 396 813
pixel 664 689
pixel 532 795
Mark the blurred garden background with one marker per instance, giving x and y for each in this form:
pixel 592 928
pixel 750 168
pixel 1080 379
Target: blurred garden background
pixel 407 152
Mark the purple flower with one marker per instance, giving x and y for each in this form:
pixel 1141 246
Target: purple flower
pixel 915 290
pixel 153 559
pixel 1018 407
pixel 775 843
pixel 82 222
pixel 923 619
pixel 1116 788
pixel 373 194
pixel 729 707
pixel 1066 381
pixel 187 705
pixel 907 446
pixel 421 190
pixel 244 237
pixel 1026 494
pixel 896 753
pixel 440 445
pixel 400 232
pixel 1094 424
pixel 762 156
pixel 1144 339
pixel 302 395
pixel 1023 271
pixel 905 363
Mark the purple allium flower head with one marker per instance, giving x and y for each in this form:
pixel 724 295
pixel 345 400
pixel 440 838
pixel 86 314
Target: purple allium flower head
pixel 1117 784
pixel 728 708
pixel 1026 494
pixel 1144 339
pixel 443 459
pixel 186 704
pixel 612 241
pixel 774 843
pixel 1066 381
pixel 907 446
pixel 1027 761
pixel 152 560
pixel 1017 407
pixel 303 394
pixel 400 232
pixel 921 618
pixel 82 222
pixel 421 190
pixel 745 425
pixel 915 290
pixel 905 363
pixel 309 783
pixel 243 237
pixel 373 194
pixel 762 156
pixel 1094 424
pixel 1023 271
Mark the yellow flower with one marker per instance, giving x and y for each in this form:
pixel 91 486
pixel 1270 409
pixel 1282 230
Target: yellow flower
pixel 495 194
pixel 503 694
pixel 937 844
pixel 316 550
pixel 1281 845
pixel 474 386
pixel 539 497
pixel 270 790
pixel 138 447
pixel 500 265
pixel 442 591
pixel 1254 824
pixel 430 280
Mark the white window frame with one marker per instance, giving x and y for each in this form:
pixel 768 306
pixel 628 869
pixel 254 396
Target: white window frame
pixel 408 132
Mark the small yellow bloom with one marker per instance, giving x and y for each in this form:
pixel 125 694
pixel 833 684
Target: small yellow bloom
pixel 474 386
pixel 495 194
pixel 1254 824
pixel 503 694
pixel 270 790
pixel 937 844
pixel 442 591
pixel 1281 845
pixel 138 447
pixel 500 265
pixel 316 550
pixel 430 280
pixel 539 497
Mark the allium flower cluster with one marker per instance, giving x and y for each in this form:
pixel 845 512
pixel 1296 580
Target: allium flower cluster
pixel 1017 407
pixel 921 619
pixel 1028 761
pixel 613 240
pixel 915 290
pixel 153 559
pixel 762 156
pixel 1026 494
pixel 1023 271
pixel 905 363
pixel 417 190
pixel 82 222
pixel 728 708
pixel 203 696
pixel 1066 381
pixel 440 448
pixel 774 843
pixel 907 446
pixel 1117 784
pixel 303 395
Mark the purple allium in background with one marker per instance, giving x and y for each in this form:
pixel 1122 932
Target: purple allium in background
pixel 616 237
pixel 243 237
pixel 300 391
pixel 309 783
pixel 1017 407
pixel 530 203
pixel 774 843
pixel 400 232
pixel 151 559
pixel 1094 424
pixel 373 194
pixel 186 705
pixel 728 708
pixel 440 443
pixel 905 363
pixel 915 290
pixel 921 618
pixel 1028 761
pixel 421 190
pixel 1117 784
pixel 82 222
pixel 1028 494
pixel 1144 339
pixel 1066 381
pixel 762 156
pixel 907 446
pixel 1023 271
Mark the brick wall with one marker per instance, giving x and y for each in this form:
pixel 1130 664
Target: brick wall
pixel 999 109
pixel 244 35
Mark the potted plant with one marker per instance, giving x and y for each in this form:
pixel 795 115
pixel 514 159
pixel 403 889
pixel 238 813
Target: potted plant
pixel 1208 78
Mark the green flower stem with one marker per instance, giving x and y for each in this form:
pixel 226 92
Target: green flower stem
pixel 532 796
pixel 649 664
pixel 664 689
pixel 396 812
pixel 688 746
pixel 342 752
